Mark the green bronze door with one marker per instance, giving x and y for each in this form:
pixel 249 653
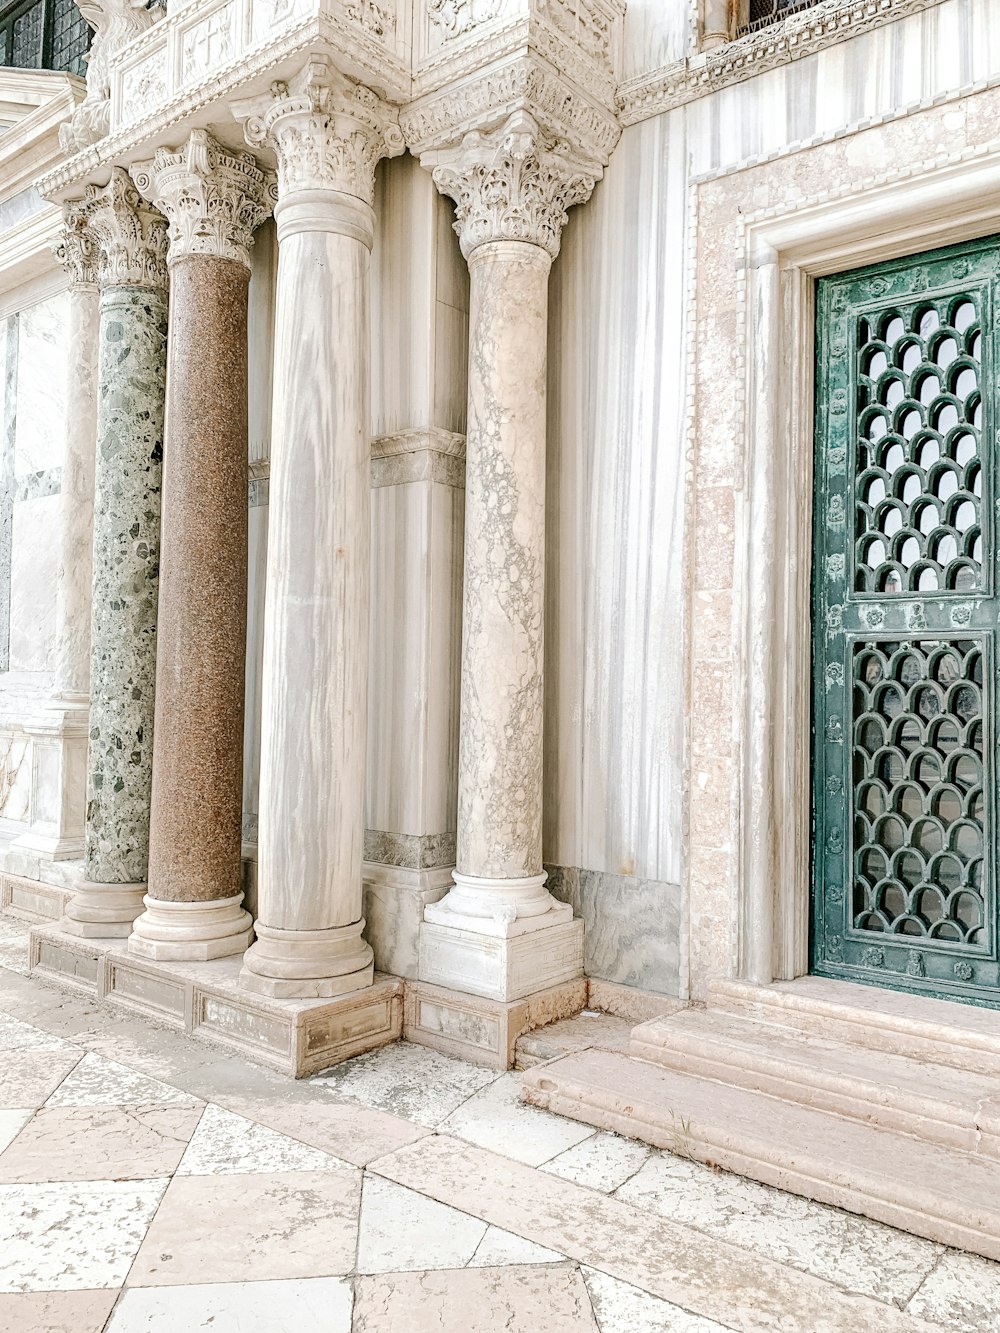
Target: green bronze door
pixel 905 615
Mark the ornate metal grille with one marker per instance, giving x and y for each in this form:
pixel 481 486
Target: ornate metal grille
pixel 905 623
pixel 760 13
pixel 44 34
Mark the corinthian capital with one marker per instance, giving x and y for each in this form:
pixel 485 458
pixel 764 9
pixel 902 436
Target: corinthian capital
pixel 213 200
pixel 77 249
pixel 132 236
pixel 328 132
pixel 513 184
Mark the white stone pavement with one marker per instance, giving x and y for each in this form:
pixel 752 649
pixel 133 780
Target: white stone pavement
pixel 150 1183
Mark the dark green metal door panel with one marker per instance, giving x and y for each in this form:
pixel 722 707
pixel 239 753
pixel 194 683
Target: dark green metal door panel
pixel 905 616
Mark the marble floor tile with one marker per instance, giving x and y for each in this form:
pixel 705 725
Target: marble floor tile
pixel 499 1247
pixel 356 1134
pixel 229 1144
pixel 854 1252
pixel 99 1082
pixel 251 1228
pixel 603 1162
pixel 962 1293
pixel 308 1305
pixel 402 1231
pixel 700 1273
pixel 497 1119
pixel 409 1081
pixel 73 1237
pixel 56 1311
pixel 28 1077
pixel 99 1143
pixel 11 1124
pixel 16 1036
pixel 622 1308
pixel 14 942
pixel 543 1299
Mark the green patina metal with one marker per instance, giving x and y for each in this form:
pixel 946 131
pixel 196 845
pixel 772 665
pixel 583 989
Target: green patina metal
pixel 905 622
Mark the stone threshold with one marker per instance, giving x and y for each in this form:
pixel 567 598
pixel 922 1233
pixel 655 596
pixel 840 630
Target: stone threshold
pixel 880 1103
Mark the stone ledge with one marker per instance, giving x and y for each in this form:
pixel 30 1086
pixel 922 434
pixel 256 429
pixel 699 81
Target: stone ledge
pixel 480 1030
pixel 296 1037
pixel 31 899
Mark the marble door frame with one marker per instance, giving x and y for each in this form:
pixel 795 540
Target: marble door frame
pixel 748 888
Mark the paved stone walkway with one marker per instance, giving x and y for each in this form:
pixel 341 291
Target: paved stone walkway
pixel 148 1182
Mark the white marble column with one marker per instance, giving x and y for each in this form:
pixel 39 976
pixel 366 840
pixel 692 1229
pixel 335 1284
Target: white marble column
pixel 59 734
pixel 512 190
pixel 328 133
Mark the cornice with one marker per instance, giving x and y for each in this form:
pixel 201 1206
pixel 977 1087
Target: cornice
pixel 31 145
pixel 798 35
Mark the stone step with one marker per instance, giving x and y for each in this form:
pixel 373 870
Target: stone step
pixel 962 1036
pixel 587 1029
pixel 944 1194
pixel 931 1101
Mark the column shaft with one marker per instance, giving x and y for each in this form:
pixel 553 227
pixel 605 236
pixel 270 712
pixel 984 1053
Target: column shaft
pixel 195 820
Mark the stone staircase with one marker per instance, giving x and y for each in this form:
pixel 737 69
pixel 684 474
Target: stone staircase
pixel 880 1103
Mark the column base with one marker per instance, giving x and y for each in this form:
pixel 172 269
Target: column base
pixel 103 911
pixel 309 964
pixel 394 899
pixel 501 900
pixel 191 932
pixel 58 783
pixel 500 960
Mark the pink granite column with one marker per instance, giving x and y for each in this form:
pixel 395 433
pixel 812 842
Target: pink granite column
pixel 213 200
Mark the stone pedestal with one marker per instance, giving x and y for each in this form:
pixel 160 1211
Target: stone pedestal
pixel 499 933
pixel 59 735
pixel 328 135
pixel 132 362
pixel 212 200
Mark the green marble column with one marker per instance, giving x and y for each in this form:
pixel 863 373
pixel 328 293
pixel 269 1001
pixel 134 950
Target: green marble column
pixel 130 409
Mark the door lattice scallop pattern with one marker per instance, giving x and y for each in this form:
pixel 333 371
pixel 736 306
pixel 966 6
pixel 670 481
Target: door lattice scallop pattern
pixel 905 621
pixel 918 790
pixel 919 471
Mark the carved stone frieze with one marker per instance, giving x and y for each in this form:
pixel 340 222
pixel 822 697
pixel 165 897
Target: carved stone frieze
pixel 131 235
pixel 377 19
pixel 512 185
pixel 77 249
pixel 457 17
pixel 115 24
pixel 214 200
pixel 327 131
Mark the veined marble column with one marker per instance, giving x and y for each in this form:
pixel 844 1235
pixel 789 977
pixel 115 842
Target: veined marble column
pixel 126 554
pixel 328 134
pixel 213 201
pixel 59 734
pixel 512 191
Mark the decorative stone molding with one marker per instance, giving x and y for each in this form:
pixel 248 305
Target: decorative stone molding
pixel 132 236
pixel 115 24
pixel 77 249
pixel 422 454
pixel 374 18
pixel 214 200
pixel 511 185
pixel 800 34
pixel 457 17
pixel 328 132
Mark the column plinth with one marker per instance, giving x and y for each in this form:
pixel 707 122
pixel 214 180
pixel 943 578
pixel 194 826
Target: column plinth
pixel 328 134
pixel 512 190
pixel 213 200
pixel 131 371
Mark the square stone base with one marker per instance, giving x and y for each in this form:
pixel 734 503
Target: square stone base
pixel 497 967
pixel 483 1031
pixel 296 1037
pixel 32 900
pixel 393 908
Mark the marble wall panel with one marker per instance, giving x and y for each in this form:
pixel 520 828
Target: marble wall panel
pixel 656 33
pixel 632 926
pixel 41 386
pixel 33 569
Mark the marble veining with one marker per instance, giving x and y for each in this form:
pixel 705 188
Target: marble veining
pixel 126 573
pixel 411 851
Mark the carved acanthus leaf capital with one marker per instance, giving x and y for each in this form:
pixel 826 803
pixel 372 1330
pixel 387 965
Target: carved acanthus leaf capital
pixel 327 131
pixel 213 200
pixel 513 184
pixel 131 235
pixel 77 249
